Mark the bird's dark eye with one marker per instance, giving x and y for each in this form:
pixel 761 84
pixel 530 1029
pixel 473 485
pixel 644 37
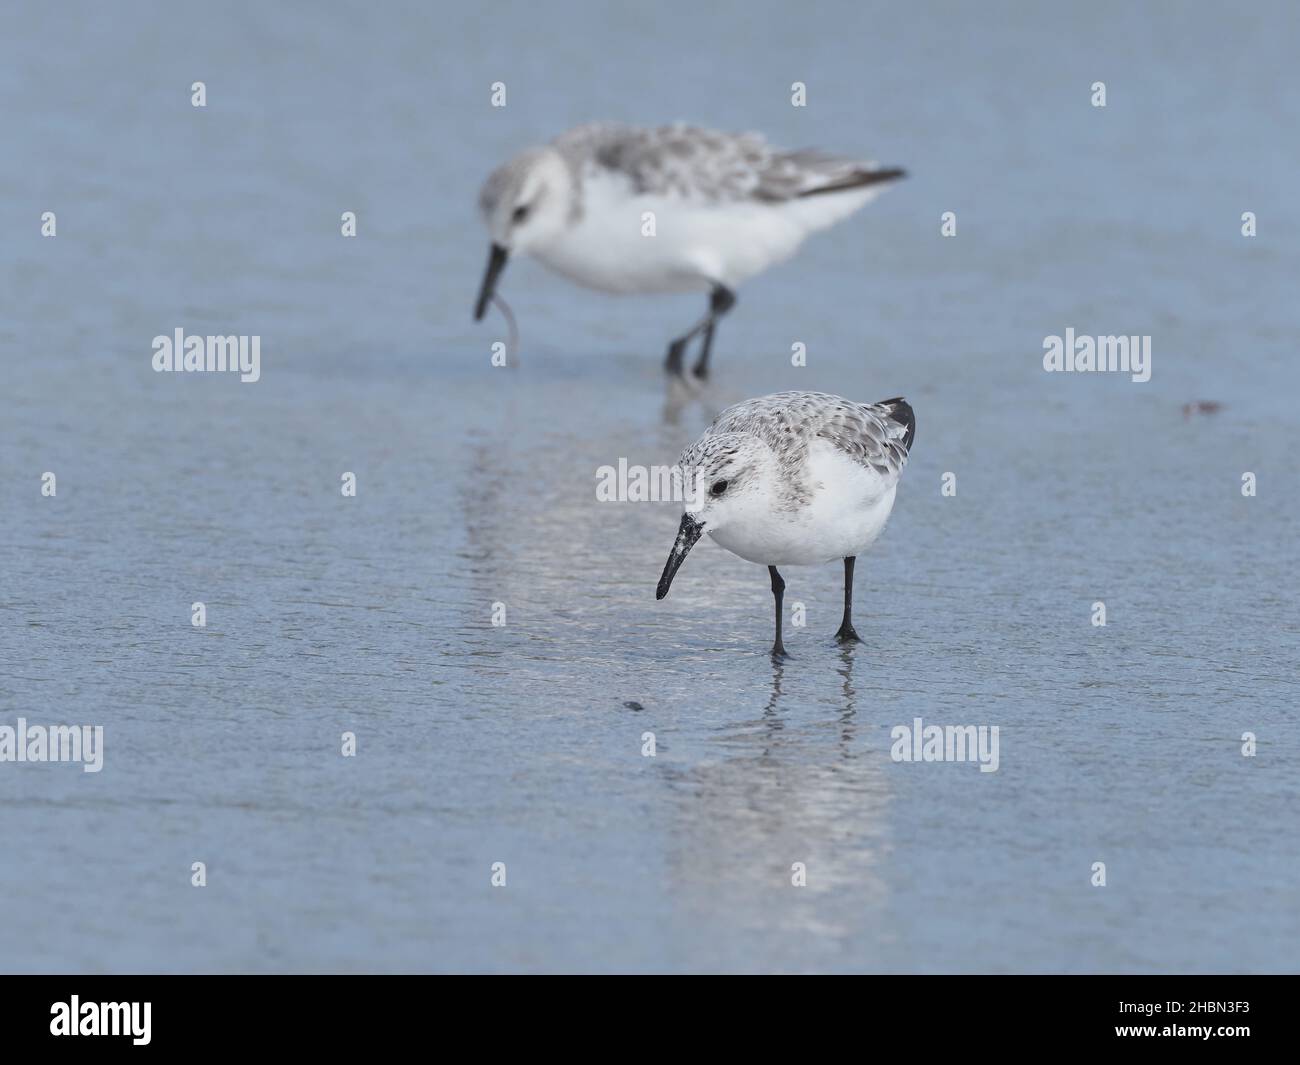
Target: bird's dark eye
pixel 718 488
pixel 521 212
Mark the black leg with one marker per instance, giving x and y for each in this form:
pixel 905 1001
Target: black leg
pixel 720 302
pixel 846 633
pixel 778 593
pixel 701 367
pixel 673 363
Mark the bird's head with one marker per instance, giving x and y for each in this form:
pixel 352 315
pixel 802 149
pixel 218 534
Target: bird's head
pixel 728 479
pixel 524 202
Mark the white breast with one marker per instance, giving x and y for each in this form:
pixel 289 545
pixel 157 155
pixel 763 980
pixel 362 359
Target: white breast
pixel 847 511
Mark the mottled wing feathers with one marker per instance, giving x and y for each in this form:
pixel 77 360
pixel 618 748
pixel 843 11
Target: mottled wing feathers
pixel 876 435
pixel 710 166
pixel 673 160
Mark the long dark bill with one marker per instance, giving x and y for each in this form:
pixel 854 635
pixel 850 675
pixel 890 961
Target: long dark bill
pixel 687 534
pixel 496 263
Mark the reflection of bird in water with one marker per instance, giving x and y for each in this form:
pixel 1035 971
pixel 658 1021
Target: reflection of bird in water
pixel 850 709
pixel 780 795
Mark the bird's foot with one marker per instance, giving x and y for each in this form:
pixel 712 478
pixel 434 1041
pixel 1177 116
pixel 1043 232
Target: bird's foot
pixel 779 653
pixel 846 634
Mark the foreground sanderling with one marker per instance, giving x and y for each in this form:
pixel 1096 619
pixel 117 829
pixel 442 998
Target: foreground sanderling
pixel 673 209
pixel 796 478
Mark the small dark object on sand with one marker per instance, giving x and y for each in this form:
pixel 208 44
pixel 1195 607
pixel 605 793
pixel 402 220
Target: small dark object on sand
pixel 1202 406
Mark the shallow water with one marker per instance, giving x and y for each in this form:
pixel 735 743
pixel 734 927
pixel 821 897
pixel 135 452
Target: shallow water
pixel 522 743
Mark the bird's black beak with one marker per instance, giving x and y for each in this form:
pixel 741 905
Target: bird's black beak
pixel 687 533
pixel 496 263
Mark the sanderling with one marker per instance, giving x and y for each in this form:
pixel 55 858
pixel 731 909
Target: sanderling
pixel 797 478
pixel 673 209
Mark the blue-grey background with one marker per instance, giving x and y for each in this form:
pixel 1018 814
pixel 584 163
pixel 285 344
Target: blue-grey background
pixel 476 485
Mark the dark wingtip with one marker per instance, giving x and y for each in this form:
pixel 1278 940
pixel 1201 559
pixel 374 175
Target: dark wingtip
pixel 858 180
pixel 889 173
pixel 901 411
